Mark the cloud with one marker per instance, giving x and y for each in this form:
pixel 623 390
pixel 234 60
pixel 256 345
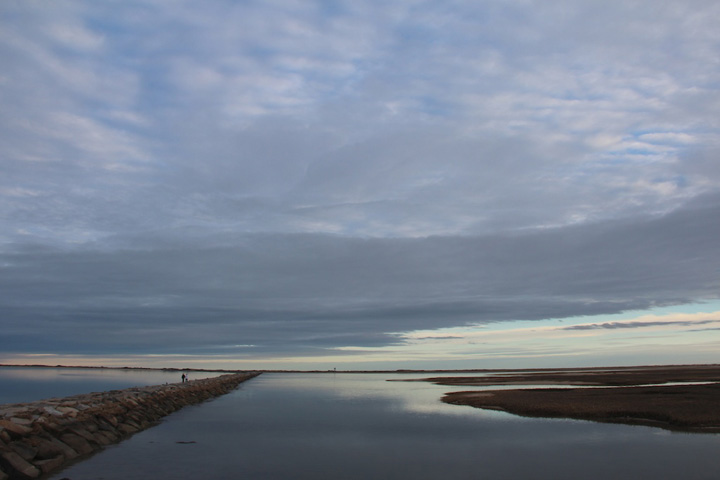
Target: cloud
pixel 621 325
pixel 307 292
pixel 300 176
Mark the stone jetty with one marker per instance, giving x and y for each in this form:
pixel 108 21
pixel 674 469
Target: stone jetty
pixel 41 437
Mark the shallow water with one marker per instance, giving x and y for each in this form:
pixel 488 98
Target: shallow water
pixel 27 384
pixel 359 426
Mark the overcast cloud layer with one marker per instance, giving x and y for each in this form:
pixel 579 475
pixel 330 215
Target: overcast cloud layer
pixel 288 177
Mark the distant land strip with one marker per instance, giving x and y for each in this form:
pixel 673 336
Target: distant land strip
pixel 505 371
pixel 100 367
pixel 42 437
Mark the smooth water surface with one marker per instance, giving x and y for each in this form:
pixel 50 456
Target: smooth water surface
pixel 27 384
pixel 359 426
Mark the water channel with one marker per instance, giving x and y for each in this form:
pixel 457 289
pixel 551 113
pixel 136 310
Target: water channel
pixel 360 426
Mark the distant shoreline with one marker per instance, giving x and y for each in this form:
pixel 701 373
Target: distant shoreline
pixel 410 371
pixel 100 367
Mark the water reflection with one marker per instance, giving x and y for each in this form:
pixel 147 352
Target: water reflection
pixel 360 426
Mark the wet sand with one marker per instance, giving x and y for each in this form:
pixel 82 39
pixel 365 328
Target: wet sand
pixel 628 395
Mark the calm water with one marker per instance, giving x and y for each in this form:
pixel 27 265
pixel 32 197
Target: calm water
pixel 25 384
pixel 359 426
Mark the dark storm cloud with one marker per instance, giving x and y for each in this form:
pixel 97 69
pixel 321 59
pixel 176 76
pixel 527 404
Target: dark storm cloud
pixel 285 293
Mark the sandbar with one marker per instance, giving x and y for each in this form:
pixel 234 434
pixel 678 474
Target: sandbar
pixel 679 398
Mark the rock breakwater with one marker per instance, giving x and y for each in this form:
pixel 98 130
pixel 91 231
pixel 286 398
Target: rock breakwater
pixel 39 438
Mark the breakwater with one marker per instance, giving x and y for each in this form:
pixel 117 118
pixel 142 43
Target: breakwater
pixel 41 437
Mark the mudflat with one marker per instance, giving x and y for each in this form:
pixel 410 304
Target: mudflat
pixel 634 395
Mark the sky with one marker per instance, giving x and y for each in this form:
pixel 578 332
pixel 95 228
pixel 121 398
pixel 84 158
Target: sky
pixel 326 184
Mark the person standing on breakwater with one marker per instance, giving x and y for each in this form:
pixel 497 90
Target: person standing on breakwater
pixel 183 378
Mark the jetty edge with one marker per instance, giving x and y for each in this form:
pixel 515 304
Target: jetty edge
pixel 39 438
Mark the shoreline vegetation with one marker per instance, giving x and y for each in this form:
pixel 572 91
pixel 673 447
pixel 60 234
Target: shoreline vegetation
pixel 679 398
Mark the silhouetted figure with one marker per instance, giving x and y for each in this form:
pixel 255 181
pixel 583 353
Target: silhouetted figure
pixel 184 378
